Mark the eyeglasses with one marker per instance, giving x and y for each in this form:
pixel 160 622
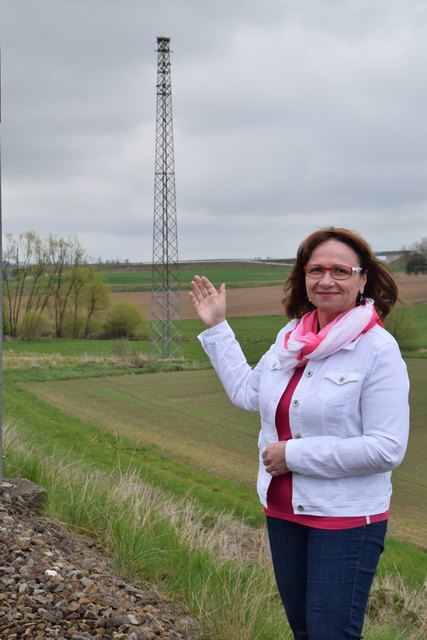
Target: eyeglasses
pixel 338 271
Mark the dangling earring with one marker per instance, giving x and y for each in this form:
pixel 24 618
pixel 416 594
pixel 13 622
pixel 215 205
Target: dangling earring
pixel 360 299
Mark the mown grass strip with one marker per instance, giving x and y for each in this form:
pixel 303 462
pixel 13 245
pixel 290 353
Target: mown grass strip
pixel 184 413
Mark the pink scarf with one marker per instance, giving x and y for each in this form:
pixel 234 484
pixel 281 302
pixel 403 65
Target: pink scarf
pixel 303 343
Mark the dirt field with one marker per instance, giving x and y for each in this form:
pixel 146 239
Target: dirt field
pixel 412 288
pixel 262 301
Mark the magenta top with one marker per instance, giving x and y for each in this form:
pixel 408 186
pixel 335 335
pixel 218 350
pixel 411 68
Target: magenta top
pixel 279 496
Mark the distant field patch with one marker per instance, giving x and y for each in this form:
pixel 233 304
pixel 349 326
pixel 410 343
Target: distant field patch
pixel 235 274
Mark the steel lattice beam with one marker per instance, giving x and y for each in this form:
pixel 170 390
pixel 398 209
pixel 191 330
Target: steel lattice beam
pixel 166 328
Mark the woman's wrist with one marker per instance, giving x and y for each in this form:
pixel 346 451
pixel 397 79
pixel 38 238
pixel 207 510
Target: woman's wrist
pixel 214 323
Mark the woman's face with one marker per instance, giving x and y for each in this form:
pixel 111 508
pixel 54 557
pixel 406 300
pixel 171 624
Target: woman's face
pixel 333 297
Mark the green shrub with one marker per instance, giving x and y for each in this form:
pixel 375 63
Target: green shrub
pixel 403 329
pixel 123 320
pixel 33 325
pixel 73 326
pixel 95 329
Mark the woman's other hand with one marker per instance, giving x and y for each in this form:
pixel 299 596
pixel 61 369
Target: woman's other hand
pixel 274 458
pixel 209 304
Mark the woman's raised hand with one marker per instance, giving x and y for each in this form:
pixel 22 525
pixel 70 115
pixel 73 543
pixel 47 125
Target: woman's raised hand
pixel 208 303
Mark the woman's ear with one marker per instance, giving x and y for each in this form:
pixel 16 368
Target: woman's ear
pixel 363 281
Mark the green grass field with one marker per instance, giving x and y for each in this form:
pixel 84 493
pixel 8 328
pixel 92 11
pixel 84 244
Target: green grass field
pixel 182 414
pixel 186 417
pixel 235 274
pixel 418 315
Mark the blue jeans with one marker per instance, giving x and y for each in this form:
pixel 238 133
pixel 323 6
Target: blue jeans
pixel 324 577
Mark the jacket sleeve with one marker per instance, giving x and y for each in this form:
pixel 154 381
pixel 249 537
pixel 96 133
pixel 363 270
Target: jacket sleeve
pixel 384 414
pixel 240 381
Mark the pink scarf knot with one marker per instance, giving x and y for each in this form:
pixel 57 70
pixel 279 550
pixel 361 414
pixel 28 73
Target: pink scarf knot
pixel 303 343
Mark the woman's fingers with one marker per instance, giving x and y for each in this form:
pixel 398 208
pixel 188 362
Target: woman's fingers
pixel 209 304
pixel 274 458
pixel 205 287
pixel 197 294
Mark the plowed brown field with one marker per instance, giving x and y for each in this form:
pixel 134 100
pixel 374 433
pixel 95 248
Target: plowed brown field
pixel 265 301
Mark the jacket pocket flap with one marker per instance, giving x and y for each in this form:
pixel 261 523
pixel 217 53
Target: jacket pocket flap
pixel 273 361
pixel 342 377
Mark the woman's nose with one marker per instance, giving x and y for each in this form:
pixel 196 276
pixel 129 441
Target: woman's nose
pixel 326 278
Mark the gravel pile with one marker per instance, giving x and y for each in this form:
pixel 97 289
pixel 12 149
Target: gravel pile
pixel 57 585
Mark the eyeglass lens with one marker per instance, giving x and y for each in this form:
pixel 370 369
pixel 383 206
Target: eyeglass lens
pixel 338 272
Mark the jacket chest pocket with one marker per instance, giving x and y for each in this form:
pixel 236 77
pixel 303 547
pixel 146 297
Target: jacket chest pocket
pixel 340 388
pixel 339 397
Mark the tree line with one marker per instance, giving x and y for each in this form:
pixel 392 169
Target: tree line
pixel 49 286
pixel 416 261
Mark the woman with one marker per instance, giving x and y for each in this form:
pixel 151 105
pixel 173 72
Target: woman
pixel 332 393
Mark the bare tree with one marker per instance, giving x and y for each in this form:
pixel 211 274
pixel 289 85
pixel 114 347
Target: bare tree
pixel 89 295
pixel 24 271
pixel 66 257
pixel 421 246
pixel 97 297
pixel 51 274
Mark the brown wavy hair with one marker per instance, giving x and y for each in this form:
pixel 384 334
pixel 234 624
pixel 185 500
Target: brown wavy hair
pixel 380 284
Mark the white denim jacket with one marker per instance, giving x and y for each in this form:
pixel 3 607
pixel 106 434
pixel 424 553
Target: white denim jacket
pixel 349 418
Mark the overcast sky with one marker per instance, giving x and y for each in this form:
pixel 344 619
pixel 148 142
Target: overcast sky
pixel 289 115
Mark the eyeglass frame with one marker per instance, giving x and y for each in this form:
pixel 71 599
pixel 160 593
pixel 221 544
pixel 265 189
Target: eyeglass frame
pixel 354 271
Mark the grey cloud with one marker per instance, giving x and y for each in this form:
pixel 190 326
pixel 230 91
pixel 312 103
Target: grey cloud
pixel 287 115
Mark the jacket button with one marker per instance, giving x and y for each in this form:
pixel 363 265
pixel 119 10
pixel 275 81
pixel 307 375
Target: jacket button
pixel 298 435
pixel 300 507
pixel 296 403
pixel 341 379
pixel 309 373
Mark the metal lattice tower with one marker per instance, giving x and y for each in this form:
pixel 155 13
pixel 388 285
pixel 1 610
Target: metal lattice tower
pixel 166 328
